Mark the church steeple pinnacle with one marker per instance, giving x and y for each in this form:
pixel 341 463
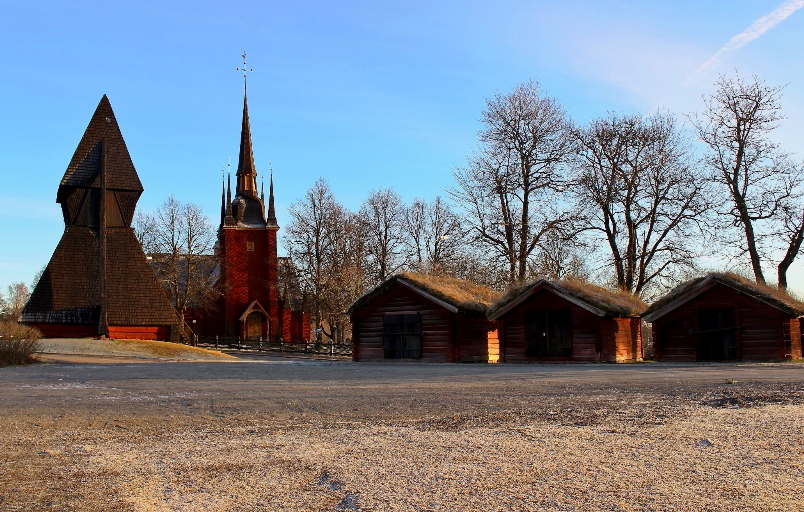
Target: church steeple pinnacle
pixel 271 212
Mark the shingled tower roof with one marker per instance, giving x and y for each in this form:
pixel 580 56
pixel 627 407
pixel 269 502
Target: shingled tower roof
pixel 85 167
pixel 247 209
pixel 246 171
pixel 98 274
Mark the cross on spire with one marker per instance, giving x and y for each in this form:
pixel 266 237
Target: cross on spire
pixel 245 69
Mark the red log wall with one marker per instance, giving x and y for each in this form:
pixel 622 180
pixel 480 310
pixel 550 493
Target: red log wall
pixel 765 333
pixel 594 338
pixel 445 337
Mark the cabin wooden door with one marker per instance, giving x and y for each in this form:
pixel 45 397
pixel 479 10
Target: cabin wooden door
pixel 402 336
pixel 254 325
pixel 548 333
pixel 717 334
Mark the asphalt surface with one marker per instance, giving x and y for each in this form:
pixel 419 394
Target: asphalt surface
pixel 320 390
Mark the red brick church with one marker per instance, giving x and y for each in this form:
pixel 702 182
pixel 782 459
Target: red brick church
pixel 250 303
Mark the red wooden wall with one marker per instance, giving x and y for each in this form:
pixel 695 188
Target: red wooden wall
pixel 116 332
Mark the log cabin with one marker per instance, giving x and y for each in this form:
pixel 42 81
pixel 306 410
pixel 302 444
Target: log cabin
pixel 568 320
pixel 424 318
pixel 725 317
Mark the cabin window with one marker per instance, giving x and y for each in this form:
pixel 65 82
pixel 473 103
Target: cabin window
pixel 250 246
pixel 402 336
pixel 548 333
pixel 717 334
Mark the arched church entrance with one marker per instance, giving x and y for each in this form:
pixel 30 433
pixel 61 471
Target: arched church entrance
pixel 255 325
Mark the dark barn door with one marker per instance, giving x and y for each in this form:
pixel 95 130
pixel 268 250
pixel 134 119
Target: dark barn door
pixel 717 335
pixel 402 336
pixel 549 333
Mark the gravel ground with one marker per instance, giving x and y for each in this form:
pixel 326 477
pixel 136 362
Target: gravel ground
pixel 305 435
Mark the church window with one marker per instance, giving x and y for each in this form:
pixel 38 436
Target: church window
pixel 250 246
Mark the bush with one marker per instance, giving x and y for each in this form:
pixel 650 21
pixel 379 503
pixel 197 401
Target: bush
pixel 18 343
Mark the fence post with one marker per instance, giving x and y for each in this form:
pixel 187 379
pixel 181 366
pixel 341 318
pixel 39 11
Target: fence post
pixel 216 343
pixel 259 345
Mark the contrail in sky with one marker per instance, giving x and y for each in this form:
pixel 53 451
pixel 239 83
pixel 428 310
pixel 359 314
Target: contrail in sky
pixel 754 30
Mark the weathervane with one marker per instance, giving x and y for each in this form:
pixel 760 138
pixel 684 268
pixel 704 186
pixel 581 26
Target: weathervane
pixel 245 69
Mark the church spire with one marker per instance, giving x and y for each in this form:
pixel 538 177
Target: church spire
pixel 223 196
pixel 246 171
pixel 229 219
pixel 271 212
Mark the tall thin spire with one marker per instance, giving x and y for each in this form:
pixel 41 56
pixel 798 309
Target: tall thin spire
pixel 229 219
pixel 246 171
pixel 223 195
pixel 271 212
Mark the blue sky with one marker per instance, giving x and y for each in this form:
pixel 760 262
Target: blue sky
pixel 367 95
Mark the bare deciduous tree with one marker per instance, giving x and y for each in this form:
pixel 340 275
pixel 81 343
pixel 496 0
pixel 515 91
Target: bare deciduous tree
pixel 761 184
pixel 509 188
pixel 641 193
pixel 16 297
pixel 559 257
pixel 381 216
pixel 325 242
pixel 434 236
pixel 180 240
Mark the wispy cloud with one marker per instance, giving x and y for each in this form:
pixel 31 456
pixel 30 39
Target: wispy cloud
pixel 754 30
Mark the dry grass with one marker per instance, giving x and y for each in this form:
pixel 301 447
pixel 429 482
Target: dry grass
pixel 769 294
pixel 165 349
pixel 461 293
pixel 143 349
pixel 464 295
pixel 612 302
pixel 18 343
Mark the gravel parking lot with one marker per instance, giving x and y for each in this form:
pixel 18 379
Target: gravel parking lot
pixel 280 434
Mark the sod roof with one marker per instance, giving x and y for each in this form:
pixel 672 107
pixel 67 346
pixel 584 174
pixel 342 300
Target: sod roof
pixel 464 296
pixel 768 294
pixel 598 300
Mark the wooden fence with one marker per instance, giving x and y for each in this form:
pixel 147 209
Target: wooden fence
pixel 292 347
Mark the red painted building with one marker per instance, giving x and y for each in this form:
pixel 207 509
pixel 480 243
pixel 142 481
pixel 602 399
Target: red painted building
pixel 250 305
pixel 424 318
pixel 726 317
pixel 568 320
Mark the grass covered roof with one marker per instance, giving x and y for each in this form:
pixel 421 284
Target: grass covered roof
pixel 770 295
pixel 465 296
pixel 608 302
